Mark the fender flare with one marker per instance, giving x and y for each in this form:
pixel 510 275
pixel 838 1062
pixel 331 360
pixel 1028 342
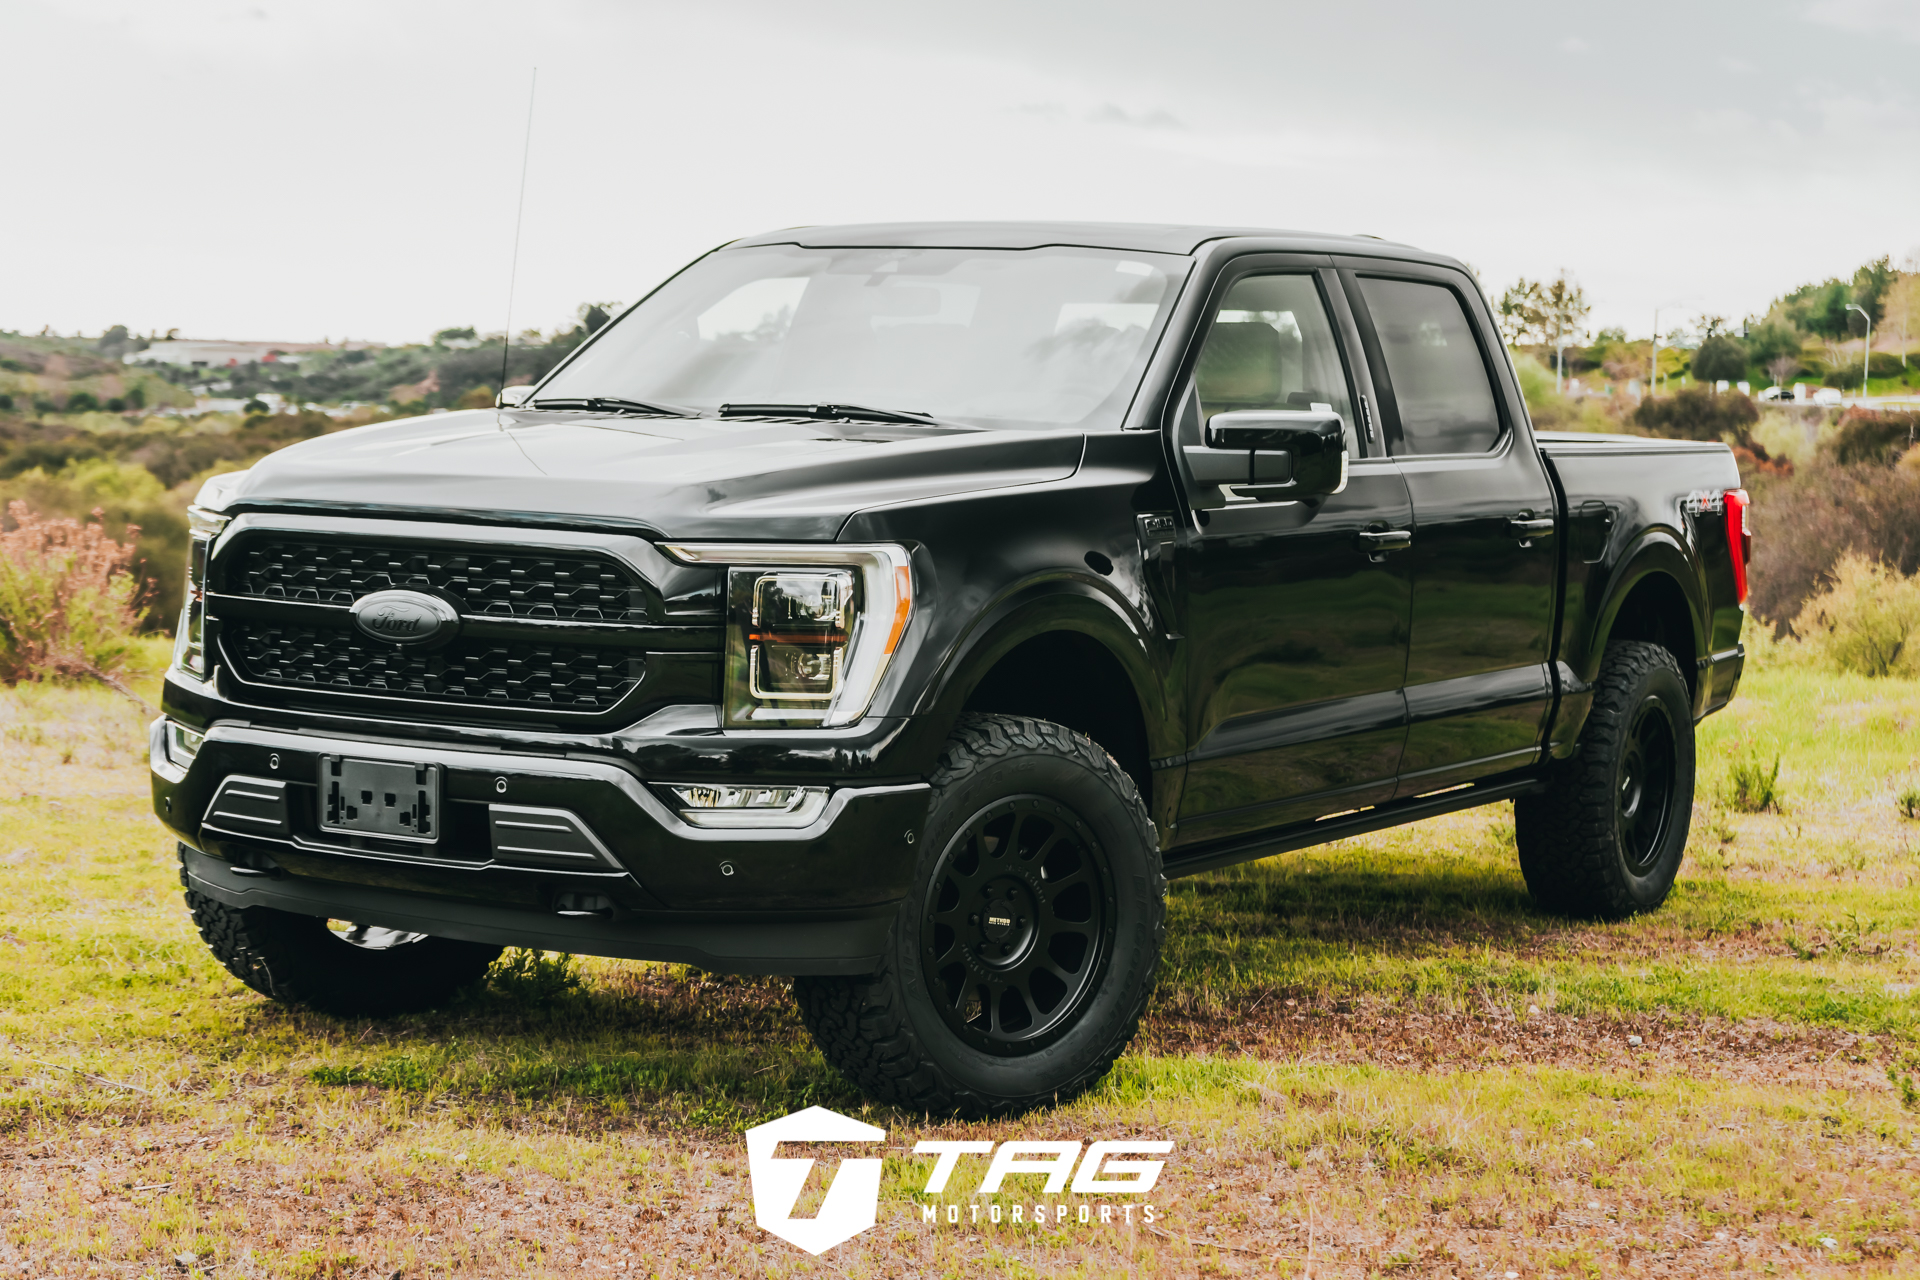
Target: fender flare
pixel 1656 552
pixel 1062 600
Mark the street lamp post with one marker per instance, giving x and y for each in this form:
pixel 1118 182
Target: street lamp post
pixel 1866 356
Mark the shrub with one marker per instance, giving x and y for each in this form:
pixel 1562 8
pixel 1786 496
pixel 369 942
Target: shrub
pixel 1755 786
pixel 69 601
pixel 1862 435
pixel 1865 621
pixel 129 494
pixel 1804 523
pixel 1908 802
pixel 82 402
pixel 1697 413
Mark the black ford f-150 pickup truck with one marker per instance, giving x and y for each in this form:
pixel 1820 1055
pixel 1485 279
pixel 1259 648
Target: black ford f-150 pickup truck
pixel 896 607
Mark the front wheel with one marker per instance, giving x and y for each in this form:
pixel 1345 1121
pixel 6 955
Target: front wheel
pixel 1019 965
pixel 335 966
pixel 1606 837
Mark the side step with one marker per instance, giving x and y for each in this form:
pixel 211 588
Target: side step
pixel 1213 855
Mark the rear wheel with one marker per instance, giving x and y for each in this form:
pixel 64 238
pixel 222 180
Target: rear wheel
pixel 1018 967
pixel 336 966
pixel 1606 838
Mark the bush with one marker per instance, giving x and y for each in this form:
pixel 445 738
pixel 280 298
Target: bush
pixel 1862 435
pixel 127 493
pixel 1804 523
pixel 83 402
pixel 1866 620
pixel 69 600
pixel 1697 413
pixel 1847 372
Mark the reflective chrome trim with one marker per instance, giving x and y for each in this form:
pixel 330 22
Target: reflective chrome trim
pixel 495 762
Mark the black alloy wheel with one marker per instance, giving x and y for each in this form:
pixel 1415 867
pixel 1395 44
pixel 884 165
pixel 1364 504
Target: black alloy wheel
pixel 1647 784
pixel 1018 924
pixel 1017 968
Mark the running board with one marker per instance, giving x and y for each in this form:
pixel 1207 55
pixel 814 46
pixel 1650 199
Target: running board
pixel 1225 853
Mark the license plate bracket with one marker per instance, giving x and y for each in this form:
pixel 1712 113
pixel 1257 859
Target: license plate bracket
pixel 380 798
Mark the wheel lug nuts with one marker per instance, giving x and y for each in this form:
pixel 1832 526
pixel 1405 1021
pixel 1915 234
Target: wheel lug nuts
pixel 973 919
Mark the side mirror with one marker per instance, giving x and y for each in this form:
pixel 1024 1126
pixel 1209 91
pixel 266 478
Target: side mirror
pixel 512 397
pixel 1290 453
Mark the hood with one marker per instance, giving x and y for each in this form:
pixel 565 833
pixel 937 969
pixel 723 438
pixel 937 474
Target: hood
pixel 764 479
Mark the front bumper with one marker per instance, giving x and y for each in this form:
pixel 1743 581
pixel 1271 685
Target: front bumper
pixel 643 884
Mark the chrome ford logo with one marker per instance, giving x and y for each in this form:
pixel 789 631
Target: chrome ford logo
pixel 406 617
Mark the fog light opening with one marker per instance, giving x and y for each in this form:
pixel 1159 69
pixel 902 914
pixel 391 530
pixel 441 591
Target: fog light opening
pixel 709 805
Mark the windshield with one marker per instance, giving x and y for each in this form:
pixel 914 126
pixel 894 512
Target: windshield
pixel 1030 338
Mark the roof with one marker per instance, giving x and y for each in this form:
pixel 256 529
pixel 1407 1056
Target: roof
pixel 1137 237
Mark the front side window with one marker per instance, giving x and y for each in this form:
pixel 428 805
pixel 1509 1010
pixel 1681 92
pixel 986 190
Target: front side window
pixel 1438 375
pixel 1034 338
pixel 1271 346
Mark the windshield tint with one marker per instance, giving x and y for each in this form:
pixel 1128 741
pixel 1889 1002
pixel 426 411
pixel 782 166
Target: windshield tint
pixel 996 338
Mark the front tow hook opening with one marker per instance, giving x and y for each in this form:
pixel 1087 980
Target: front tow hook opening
pixel 596 905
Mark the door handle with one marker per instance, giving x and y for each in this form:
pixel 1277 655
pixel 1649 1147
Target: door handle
pixel 1527 528
pixel 1378 541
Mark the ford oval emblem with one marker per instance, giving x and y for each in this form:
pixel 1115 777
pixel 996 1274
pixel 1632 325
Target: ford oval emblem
pixel 406 617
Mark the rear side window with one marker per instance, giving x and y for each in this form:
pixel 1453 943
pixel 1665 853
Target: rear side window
pixel 1438 375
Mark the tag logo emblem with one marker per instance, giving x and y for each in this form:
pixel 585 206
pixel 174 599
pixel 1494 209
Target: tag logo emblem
pixel 852 1203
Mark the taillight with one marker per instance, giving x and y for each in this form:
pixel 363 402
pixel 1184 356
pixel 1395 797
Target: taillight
pixel 1739 538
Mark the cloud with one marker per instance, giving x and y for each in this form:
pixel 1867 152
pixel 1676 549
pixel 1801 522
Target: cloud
pixel 1573 44
pixel 1901 17
pixel 1107 113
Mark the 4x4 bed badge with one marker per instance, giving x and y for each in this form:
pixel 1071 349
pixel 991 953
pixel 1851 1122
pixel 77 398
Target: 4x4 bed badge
pixel 406 617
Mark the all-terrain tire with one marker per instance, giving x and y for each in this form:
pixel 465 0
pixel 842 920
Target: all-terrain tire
pixel 890 1033
pixel 1592 845
pixel 297 959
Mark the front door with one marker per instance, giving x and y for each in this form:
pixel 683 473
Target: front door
pixel 1296 613
pixel 1483 561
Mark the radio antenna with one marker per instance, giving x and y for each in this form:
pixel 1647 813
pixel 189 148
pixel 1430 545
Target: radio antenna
pixel 519 213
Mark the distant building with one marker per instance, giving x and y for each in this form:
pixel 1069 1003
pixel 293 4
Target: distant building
pixel 191 353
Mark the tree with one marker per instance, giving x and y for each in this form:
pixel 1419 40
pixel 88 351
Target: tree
pixel 1780 368
pixel 1773 338
pixel 1720 356
pixel 1902 301
pixel 1521 314
pixel 1566 307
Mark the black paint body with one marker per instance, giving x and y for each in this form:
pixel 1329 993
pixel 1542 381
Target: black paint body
pixel 1271 676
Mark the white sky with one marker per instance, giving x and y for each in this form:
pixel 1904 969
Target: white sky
pixel 273 170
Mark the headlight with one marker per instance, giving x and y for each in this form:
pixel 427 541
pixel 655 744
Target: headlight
pixel 189 641
pixel 810 629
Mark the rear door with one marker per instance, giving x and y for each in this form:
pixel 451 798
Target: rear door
pixel 1295 616
pixel 1483 561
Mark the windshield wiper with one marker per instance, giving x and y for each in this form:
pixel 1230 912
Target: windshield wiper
pixel 827 412
pixel 614 404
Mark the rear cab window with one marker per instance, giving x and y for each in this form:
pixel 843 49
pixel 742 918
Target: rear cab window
pixel 1435 368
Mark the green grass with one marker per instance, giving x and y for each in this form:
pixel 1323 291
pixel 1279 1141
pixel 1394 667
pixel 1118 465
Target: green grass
pixel 1375 1054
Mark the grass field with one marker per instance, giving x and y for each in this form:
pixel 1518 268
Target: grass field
pixel 1373 1058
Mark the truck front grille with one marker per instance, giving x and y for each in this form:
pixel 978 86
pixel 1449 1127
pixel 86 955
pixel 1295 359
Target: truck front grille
pixel 580 587
pixel 527 674
pixel 553 628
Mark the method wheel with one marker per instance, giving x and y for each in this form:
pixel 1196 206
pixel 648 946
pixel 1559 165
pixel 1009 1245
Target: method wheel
pixel 1606 838
pixel 1018 966
pixel 339 968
